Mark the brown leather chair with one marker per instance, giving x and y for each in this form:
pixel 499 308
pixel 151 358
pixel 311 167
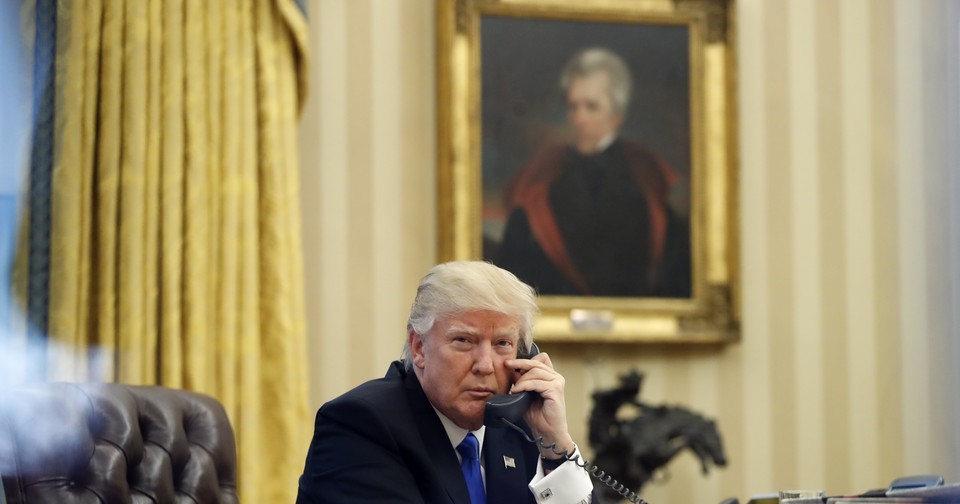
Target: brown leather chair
pixel 112 443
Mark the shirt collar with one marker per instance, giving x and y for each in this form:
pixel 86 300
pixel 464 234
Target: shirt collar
pixel 457 433
pixel 606 141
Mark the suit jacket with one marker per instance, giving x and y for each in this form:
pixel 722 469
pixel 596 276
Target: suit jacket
pixel 383 442
pixel 597 225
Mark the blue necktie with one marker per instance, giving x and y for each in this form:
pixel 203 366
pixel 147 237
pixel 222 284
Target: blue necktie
pixel 469 450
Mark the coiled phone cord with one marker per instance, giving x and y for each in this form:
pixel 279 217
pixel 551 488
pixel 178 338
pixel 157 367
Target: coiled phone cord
pixel 592 469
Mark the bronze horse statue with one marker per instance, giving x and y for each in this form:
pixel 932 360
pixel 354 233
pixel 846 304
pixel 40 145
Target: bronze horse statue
pixel 632 451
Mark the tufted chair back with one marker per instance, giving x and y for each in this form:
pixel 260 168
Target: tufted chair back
pixel 113 443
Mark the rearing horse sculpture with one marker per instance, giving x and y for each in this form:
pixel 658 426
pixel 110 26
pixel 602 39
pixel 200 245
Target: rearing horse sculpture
pixel 631 451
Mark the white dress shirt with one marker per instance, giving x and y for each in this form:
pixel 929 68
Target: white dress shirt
pixel 567 484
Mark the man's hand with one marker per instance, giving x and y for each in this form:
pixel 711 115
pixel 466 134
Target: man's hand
pixel 548 416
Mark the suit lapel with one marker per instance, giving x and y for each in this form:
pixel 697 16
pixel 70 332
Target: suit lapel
pixel 436 444
pixel 506 466
pixel 503 483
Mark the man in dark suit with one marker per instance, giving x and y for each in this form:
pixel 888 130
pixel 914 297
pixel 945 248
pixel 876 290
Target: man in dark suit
pixel 402 438
pixel 594 218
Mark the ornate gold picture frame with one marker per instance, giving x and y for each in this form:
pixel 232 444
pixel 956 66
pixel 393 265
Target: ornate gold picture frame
pixel 590 147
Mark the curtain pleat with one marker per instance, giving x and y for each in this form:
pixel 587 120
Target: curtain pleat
pixel 279 232
pixel 176 253
pixel 132 339
pixel 213 69
pixel 230 202
pixel 196 209
pixel 106 184
pixel 171 194
pixel 73 279
pixel 153 193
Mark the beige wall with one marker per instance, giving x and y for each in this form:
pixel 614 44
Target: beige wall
pixel 845 376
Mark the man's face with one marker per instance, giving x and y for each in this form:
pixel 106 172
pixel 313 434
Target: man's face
pixel 460 363
pixel 590 110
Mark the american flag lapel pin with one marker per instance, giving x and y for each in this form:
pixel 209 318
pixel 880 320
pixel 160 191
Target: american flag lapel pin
pixel 509 463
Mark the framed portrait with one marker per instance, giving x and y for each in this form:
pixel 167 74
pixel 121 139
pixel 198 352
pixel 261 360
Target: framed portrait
pixel 589 148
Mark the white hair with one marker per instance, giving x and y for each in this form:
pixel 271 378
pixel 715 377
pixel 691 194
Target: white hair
pixel 463 286
pixel 596 60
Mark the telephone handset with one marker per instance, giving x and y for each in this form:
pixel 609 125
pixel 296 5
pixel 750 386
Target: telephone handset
pixel 507 410
pixel 510 407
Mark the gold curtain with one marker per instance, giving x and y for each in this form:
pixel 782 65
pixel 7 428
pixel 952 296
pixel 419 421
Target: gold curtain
pixel 175 230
